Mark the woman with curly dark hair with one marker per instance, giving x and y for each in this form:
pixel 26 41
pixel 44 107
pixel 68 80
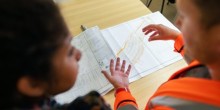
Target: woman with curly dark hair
pixel 37 60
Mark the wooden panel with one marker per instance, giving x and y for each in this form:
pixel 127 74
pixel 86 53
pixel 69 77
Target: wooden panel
pixel 104 13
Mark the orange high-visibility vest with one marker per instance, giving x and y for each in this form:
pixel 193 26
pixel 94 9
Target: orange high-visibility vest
pixel 186 93
pixel 180 92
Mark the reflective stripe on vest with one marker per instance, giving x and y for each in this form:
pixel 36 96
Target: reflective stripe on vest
pixel 180 104
pixel 127 107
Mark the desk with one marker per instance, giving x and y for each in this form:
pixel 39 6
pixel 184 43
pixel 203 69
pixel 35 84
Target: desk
pixel 106 13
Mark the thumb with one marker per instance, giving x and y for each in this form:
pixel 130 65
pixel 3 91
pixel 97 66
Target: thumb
pixel 107 76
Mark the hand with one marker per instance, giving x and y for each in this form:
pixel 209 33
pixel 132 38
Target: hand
pixel 118 77
pixel 160 32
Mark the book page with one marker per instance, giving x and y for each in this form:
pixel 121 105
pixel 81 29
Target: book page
pixel 95 56
pixel 146 57
pixel 126 41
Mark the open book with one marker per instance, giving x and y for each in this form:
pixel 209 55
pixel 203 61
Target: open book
pixel 126 41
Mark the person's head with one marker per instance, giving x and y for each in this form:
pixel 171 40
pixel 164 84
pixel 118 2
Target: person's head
pixel 36 58
pixel 199 22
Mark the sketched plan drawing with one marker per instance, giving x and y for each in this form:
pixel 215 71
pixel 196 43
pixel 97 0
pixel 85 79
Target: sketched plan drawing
pixel 125 40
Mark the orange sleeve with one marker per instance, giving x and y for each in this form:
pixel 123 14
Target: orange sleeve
pixel 124 98
pixel 179 44
pixel 160 108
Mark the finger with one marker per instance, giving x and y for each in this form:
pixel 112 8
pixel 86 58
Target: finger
pixel 112 66
pixel 117 67
pixel 128 70
pixel 123 66
pixel 154 36
pixel 151 26
pixel 107 76
pixel 149 31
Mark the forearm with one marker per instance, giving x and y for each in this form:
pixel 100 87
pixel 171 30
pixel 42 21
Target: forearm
pixel 124 100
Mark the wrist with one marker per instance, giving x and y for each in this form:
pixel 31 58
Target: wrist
pixel 120 89
pixel 178 45
pixel 175 36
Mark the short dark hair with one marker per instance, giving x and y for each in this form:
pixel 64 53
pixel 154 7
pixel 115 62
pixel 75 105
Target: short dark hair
pixel 30 32
pixel 210 12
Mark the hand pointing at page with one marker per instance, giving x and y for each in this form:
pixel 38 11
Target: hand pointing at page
pixel 160 32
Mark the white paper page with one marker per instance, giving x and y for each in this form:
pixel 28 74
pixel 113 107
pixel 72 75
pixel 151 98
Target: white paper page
pixel 95 57
pixel 146 57
pixel 162 50
pixel 125 40
pixel 112 43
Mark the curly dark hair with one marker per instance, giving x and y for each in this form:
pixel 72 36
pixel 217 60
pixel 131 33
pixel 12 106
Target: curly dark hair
pixel 30 32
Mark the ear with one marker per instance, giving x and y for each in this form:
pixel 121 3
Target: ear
pixel 31 87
